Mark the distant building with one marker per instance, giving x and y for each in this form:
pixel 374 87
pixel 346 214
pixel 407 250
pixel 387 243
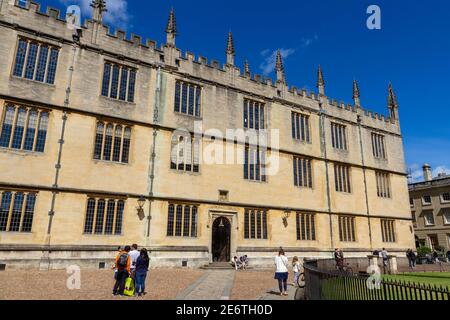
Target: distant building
pixel 91 156
pixel 430 206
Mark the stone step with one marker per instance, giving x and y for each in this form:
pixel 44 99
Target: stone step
pixel 218 266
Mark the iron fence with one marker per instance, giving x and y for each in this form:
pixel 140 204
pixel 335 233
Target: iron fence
pixel 336 285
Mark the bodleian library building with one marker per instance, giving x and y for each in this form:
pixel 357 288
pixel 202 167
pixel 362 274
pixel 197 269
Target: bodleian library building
pixel 107 140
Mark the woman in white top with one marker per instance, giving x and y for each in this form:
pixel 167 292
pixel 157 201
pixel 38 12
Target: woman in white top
pixel 282 273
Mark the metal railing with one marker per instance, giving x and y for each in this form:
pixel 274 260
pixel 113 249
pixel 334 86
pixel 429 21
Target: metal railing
pixel 337 285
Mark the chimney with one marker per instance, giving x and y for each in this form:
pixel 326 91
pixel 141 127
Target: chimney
pixel 427 175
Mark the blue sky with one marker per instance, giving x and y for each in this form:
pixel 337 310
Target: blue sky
pixel 412 50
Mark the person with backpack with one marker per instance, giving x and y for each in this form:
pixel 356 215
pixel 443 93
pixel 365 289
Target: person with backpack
pixel 123 263
pixel 142 264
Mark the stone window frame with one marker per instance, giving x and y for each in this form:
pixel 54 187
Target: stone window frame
pixel 306 226
pixel 131 70
pixel 250 106
pixel 41 128
pixel 191 147
pixel 51 61
pixel 300 180
pixel 301 127
pixel 177 224
pixel 258 169
pixel 339 136
pixel 342 179
pixel 425 203
pixel 379 146
pixel 445 197
pixel 109 227
pixel 256 222
pixel 347 228
pixel 429 223
pixel 17 217
pixel 446 217
pixel 194 89
pixel 101 146
pixel 388 231
pixel 383 182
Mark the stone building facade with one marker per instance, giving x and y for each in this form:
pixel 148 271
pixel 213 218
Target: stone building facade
pixel 430 206
pixel 93 157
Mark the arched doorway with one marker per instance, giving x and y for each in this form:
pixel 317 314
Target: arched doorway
pixel 221 240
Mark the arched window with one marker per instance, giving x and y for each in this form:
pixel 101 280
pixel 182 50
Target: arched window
pixel 108 142
pixel 119 217
pixel 99 141
pixel 31 130
pixel 90 212
pixel 100 216
pixel 4 210
pixel 14 225
pixel 29 213
pixel 126 145
pixel 110 217
pixel 171 220
pixel 42 132
pixel 19 129
pixel 117 143
pixel 7 126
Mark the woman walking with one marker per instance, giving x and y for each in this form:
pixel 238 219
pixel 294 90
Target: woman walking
pixel 282 273
pixel 142 264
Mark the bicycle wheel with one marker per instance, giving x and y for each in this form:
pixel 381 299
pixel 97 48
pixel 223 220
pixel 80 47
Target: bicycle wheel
pixel 301 280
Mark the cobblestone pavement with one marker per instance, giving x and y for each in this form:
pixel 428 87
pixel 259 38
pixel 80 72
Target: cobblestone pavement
pixel 167 284
pixel 95 285
pixel 213 285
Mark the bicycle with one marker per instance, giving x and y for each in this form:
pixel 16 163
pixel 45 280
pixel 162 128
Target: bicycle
pixel 345 270
pixel 301 283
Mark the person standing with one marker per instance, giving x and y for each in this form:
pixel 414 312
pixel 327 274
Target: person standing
pixel 282 272
pixel 296 270
pixel 385 256
pixel 339 259
pixel 122 263
pixel 142 264
pixel 134 254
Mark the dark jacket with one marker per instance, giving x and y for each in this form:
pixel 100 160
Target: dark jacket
pixel 142 264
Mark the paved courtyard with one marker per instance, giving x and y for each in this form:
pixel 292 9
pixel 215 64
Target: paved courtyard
pixel 171 284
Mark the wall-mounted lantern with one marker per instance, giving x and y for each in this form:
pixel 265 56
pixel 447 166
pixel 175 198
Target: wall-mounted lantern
pixel 140 208
pixel 286 216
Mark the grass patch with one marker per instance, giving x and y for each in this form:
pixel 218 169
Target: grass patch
pixel 432 278
pixel 356 289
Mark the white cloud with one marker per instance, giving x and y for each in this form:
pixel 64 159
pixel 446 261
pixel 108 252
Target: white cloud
pixel 306 42
pixel 416 172
pixel 117 14
pixel 270 57
pixel 441 169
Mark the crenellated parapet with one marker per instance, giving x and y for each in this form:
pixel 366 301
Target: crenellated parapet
pixel 145 51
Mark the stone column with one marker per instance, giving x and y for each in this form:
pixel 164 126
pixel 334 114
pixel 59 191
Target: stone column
pixel 373 260
pixel 393 269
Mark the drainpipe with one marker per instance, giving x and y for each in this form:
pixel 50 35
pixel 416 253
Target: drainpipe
pixel 153 152
pixel 322 114
pixel 55 186
pixel 365 180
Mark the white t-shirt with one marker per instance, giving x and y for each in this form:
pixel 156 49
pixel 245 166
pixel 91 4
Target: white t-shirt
pixel 134 254
pixel 281 263
pixel 296 267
